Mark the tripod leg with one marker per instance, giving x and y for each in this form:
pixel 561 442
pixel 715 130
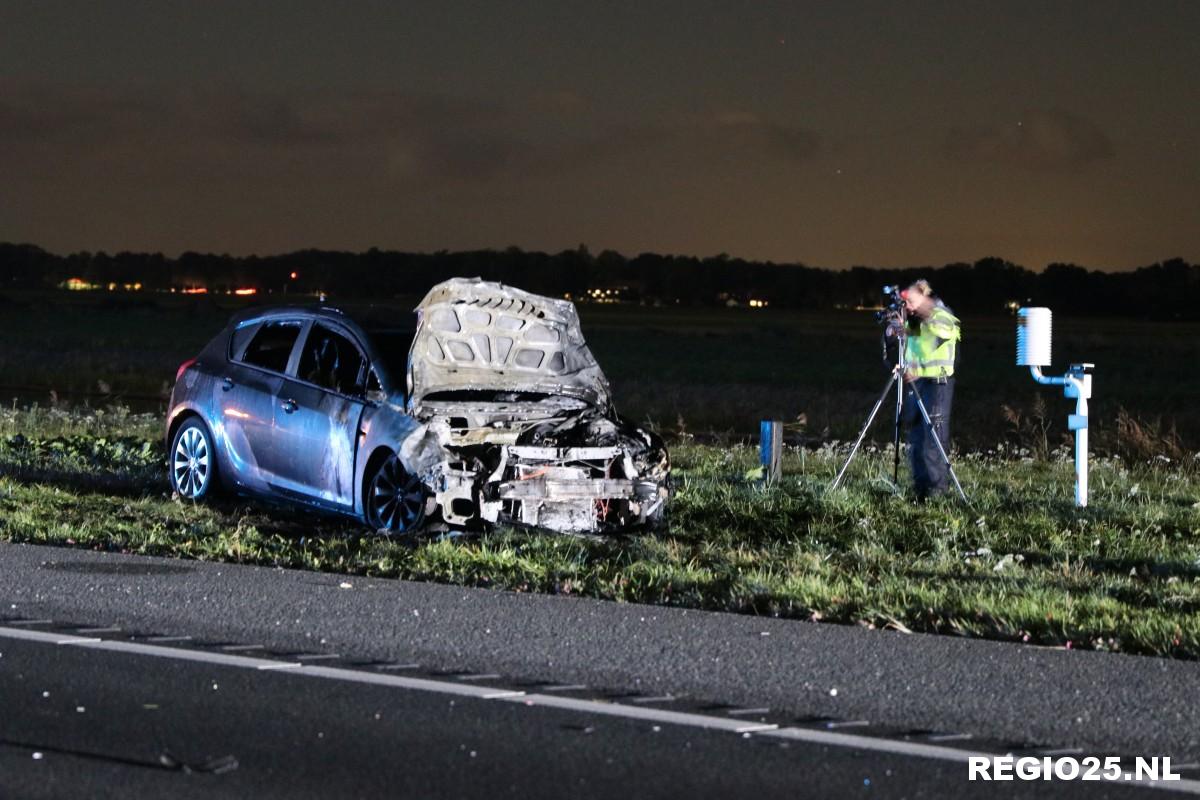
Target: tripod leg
pixel 862 434
pixel 938 441
pixel 896 433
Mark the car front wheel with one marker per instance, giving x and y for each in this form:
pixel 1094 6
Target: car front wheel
pixel 193 470
pixel 395 499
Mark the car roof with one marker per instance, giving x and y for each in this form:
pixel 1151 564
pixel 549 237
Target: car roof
pixel 371 318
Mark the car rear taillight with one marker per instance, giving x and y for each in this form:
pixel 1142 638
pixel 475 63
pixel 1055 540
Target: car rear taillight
pixel 183 368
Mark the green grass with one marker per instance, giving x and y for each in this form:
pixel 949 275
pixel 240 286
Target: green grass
pixel 1022 565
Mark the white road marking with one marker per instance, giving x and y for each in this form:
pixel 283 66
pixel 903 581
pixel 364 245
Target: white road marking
pixel 649 714
pixel 662 698
pixel 851 741
pixel 877 744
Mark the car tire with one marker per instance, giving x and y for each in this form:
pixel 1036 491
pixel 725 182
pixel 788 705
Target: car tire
pixel 192 462
pixel 395 499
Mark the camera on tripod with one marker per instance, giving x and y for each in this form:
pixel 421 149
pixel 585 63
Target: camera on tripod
pixel 893 315
pixel 894 318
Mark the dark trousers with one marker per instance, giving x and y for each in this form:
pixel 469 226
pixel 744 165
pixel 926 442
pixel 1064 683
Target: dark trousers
pixel 930 473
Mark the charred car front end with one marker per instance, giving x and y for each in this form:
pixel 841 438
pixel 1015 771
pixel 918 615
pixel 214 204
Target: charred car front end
pixel 499 414
pixel 524 416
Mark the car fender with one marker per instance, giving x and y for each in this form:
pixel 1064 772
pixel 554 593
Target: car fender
pixel 383 425
pixel 190 408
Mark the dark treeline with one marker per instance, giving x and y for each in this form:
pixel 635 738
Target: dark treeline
pixel 1167 290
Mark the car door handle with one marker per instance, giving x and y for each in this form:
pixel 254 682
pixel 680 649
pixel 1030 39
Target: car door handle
pixel 289 406
pixel 227 384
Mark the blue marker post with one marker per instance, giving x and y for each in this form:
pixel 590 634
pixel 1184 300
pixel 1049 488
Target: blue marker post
pixel 770 449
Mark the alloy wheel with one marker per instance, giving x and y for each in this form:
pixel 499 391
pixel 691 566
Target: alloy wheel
pixel 190 463
pixel 396 501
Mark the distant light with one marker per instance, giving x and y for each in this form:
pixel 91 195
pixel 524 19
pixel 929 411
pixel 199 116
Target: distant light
pixel 294 275
pixel 195 290
pixel 245 292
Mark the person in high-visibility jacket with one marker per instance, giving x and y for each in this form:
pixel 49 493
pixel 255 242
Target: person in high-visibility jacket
pixel 931 354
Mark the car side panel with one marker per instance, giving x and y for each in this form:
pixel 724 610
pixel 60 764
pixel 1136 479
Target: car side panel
pixel 243 408
pixel 316 435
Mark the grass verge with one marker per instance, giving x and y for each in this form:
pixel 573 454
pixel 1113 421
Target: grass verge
pixel 1022 565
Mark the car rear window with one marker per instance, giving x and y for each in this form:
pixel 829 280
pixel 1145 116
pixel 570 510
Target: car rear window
pixel 272 345
pixel 241 337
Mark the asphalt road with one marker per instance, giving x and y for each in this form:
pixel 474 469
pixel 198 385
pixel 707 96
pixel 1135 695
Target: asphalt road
pixel 293 735
pixel 127 729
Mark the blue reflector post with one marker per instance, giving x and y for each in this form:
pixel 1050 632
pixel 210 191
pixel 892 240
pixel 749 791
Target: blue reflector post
pixel 770 449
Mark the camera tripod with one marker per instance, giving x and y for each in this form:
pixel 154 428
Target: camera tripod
pixel 896 379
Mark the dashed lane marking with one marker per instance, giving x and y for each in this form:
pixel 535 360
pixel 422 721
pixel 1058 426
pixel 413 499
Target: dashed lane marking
pixel 662 698
pixel 745 712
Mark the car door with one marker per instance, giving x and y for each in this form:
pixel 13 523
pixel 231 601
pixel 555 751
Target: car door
pixel 317 415
pixel 245 397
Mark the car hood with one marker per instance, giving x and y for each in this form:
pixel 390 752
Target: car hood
pixel 476 337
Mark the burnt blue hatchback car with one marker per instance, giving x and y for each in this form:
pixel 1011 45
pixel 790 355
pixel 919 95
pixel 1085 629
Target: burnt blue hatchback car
pixel 491 409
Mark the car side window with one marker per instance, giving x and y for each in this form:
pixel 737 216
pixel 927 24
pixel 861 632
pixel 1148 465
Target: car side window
pixel 241 337
pixel 333 362
pixel 272 345
pixel 373 384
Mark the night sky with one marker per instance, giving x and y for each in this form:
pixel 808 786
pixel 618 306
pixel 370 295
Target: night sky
pixel 832 134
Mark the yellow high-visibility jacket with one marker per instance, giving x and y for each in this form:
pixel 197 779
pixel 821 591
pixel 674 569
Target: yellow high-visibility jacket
pixel 932 348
